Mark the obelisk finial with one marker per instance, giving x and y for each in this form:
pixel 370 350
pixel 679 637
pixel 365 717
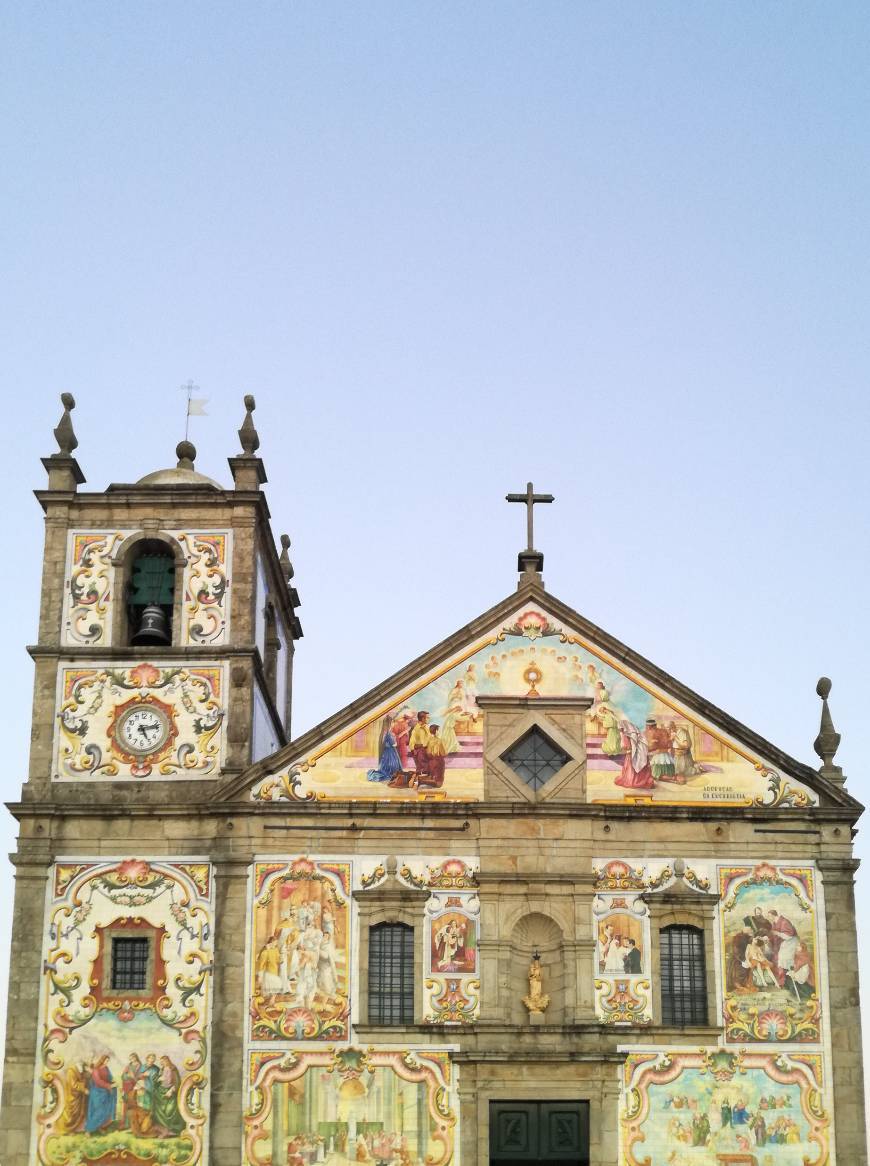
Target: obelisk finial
pixel 828 741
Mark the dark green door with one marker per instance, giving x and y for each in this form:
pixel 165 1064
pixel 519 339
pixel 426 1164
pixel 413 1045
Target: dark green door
pixel 522 1133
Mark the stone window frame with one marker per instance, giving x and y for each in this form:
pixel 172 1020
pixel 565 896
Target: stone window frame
pixel 526 713
pixel 682 907
pixel 391 901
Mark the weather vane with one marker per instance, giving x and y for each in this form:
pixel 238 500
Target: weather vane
pixel 195 405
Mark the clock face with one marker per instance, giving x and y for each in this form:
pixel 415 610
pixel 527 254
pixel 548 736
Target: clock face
pixel 142 729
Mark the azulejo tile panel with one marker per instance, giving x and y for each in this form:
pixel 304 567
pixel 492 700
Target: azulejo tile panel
pixel 137 720
pixel 94 585
pixel 349 1106
pixel 300 950
pixel 770 972
pixel 424 741
pixel 723 1107
pixel 124 1070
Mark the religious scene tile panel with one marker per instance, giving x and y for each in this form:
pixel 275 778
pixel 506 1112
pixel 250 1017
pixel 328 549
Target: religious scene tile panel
pixel 724 1107
pixel 426 740
pixel 342 1106
pixel 138 721
pixel 770 967
pixel 126 1008
pixel 300 950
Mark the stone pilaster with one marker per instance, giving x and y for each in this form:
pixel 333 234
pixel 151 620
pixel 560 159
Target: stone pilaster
pixel 25 981
pixel 229 1011
pixel 847 1087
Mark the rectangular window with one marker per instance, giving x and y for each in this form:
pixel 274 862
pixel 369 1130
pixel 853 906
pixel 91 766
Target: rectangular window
pixel 391 974
pixel 683 976
pixel 130 963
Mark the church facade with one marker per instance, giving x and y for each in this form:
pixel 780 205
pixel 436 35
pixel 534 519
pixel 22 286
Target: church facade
pixel 528 900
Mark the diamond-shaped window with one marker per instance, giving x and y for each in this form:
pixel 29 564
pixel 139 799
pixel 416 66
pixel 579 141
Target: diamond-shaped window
pixel 535 758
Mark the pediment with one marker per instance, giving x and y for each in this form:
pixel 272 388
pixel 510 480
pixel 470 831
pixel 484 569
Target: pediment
pixel 649 739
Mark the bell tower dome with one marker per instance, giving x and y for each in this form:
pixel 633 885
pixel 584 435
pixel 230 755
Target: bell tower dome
pixel 151 666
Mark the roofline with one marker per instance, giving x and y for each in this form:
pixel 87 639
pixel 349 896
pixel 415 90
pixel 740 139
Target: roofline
pixel 527 591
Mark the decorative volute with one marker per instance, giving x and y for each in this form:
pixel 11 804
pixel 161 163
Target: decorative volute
pixel 247 468
pixel 828 741
pixel 64 472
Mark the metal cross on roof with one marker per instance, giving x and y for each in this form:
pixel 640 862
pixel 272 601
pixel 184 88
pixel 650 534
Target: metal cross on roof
pixel 530 498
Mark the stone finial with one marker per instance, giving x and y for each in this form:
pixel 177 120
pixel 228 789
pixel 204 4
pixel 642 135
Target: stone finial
pixel 64 434
pixel 248 435
pixel 679 868
pixel 828 741
pixel 64 472
pixel 185 451
pixel 284 559
pixel 247 467
pixel 392 866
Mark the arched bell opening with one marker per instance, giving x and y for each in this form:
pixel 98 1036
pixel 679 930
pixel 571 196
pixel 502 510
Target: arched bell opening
pixel 151 584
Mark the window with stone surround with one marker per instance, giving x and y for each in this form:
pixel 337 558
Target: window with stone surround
pixel 391 974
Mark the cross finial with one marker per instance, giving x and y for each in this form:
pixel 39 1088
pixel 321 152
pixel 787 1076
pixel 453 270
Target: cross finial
pixel 530 561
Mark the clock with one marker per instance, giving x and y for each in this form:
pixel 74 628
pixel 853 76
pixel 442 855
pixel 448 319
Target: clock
pixel 142 729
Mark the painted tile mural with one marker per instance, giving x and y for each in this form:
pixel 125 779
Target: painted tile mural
pixel 95 580
pixel 340 1103
pixel 205 601
pixel 426 741
pixel 350 1105
pixel 721 1107
pixel 135 720
pixel 620 921
pixel 768 941
pixel 90 587
pixel 300 961
pixel 124 1071
pixel 451 975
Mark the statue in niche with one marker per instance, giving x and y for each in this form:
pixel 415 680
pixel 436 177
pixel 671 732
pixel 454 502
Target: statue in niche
pixel 536 1002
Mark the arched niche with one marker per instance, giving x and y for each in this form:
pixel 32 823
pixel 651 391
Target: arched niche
pixel 537 932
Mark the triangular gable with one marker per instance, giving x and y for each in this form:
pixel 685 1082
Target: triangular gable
pixel 532 644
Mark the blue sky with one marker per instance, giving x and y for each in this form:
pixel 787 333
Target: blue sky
pixel 620 249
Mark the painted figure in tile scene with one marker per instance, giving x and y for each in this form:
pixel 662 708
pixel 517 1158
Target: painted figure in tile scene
pixel 389 760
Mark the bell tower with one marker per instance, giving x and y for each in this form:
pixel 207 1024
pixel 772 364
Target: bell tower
pixel 167 625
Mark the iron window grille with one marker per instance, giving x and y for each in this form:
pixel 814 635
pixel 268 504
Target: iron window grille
pixel 683 976
pixel 535 758
pixel 391 974
pixel 130 964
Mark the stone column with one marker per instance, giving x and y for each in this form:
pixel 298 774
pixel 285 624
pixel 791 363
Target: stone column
pixel 229 1011
pixel 845 1094
pixel 25 980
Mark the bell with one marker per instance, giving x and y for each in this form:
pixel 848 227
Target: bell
pixel 153 627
